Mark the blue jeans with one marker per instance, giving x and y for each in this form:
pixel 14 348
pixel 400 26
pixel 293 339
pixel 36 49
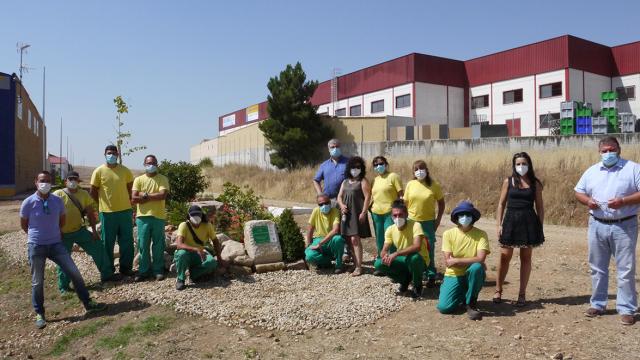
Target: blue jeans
pixel 38 255
pixel 617 240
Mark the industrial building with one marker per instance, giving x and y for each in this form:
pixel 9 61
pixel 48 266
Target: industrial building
pixel 22 138
pixel 521 88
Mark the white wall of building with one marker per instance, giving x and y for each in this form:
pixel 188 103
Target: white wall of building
pixel 594 85
pixel 431 104
pixel 365 100
pixel 480 114
pixel 456 107
pixel 521 110
pixel 206 148
pixel 631 105
pixel 575 86
pixel 549 105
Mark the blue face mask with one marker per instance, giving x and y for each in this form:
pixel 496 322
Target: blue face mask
pixel 609 159
pixel 111 159
pixel 465 220
pixel 380 169
pixel 325 208
pixel 335 152
pixel 150 169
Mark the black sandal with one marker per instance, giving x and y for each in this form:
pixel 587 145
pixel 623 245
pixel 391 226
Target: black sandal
pixel 522 301
pixel 497 297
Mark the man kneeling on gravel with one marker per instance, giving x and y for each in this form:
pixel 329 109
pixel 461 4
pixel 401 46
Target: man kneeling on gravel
pixel 411 255
pixel 192 236
pixel 323 243
pixel 465 249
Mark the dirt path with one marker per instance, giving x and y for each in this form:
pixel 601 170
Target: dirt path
pixel 552 322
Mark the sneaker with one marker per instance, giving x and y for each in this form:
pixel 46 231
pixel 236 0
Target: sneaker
pixel 40 321
pixel 180 285
pixel 93 307
pixel 378 273
pixel 159 277
pixel 114 277
pixel 593 312
pixel 338 271
pixel 402 290
pixel 431 283
pixel 473 313
pixel 416 292
pixel 127 272
pixel 627 319
pixel 139 278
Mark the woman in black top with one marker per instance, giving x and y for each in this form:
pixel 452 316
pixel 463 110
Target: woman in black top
pixel 521 226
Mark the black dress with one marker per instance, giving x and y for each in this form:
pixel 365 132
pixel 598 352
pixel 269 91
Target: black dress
pixel 521 226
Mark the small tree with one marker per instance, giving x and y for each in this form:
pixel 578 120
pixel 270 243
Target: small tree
pixel 122 137
pixel 291 240
pixel 293 131
pixel 185 180
pixel 205 162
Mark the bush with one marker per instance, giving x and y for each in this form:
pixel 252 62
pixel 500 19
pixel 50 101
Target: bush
pixel 291 240
pixel 186 180
pixel 239 206
pixel 177 212
pixel 205 163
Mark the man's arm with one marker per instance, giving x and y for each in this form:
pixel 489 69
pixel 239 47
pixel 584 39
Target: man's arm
pixel 62 220
pixel 91 215
pixel 129 186
pixel 309 238
pixel 24 224
pixel 94 193
pixel 331 234
pixel 316 185
pixel 453 261
pixel 586 200
pixel 415 247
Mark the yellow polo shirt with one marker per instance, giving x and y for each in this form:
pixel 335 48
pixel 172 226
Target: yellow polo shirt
pixel 204 232
pixel 384 192
pixel 323 224
pixel 463 245
pixel 403 239
pixel 112 187
pixel 151 184
pixel 421 199
pixel 73 220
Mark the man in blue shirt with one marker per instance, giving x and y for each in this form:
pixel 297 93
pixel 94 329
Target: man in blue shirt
pixel 331 172
pixel 42 215
pixel 611 191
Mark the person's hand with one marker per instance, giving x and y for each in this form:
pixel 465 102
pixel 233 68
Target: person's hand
pixel 95 235
pixel 344 209
pixel 592 204
pixel 362 218
pixel 203 254
pixel 452 261
pixel 387 260
pixel 316 247
pixel 615 203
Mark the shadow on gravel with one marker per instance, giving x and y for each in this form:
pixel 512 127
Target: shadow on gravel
pixel 571 300
pixel 506 308
pixel 111 310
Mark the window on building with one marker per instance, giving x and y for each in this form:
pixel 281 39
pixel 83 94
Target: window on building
pixel 19 108
pixel 626 92
pixel 481 101
pixel 512 96
pixel 403 101
pixel 551 90
pixel 377 106
pixel 29 118
pixel 409 133
pixel 341 112
pixel 355 110
pixel 548 120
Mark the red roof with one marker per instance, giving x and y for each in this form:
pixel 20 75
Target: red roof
pixel 627 58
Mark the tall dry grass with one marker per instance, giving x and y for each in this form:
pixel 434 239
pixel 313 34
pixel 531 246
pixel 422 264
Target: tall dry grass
pixel 473 176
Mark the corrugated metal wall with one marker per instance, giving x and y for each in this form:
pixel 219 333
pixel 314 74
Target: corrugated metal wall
pixel 627 58
pixel 7 130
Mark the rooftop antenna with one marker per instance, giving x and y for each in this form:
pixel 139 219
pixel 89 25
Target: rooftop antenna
pixel 334 89
pixel 22 49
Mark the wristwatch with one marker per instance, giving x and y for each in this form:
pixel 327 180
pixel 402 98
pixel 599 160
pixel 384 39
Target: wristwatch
pixel 145 196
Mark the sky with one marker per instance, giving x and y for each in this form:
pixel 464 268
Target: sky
pixel 182 64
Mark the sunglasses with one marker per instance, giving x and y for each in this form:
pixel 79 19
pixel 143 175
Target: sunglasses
pixel 324 203
pixel 379 164
pixel 45 207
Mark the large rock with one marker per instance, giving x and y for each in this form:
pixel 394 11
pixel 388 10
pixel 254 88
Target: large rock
pixel 243 260
pixel 231 249
pixel 263 268
pixel 261 241
pixel 240 270
pixel 222 238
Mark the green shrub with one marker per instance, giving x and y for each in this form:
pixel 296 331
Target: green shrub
pixel 291 240
pixel 185 180
pixel 205 163
pixel 177 212
pixel 245 201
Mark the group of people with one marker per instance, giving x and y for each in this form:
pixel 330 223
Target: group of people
pixel 405 220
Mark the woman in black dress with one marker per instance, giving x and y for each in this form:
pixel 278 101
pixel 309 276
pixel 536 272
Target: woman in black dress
pixel 521 226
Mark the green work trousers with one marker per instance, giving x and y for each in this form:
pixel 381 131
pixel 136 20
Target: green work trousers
pixel 380 225
pixel 91 247
pixel 118 226
pixel 332 249
pixel 429 229
pixel 404 269
pixel 459 290
pixel 188 260
pixel 150 239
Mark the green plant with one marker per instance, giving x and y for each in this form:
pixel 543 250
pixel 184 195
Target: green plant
pixel 122 137
pixel 205 162
pixel 60 346
pixel 291 240
pixel 293 130
pixel 177 212
pixel 244 200
pixel 185 180
pixel 152 325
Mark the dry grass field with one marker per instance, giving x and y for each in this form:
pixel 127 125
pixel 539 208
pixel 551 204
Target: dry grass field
pixel 473 176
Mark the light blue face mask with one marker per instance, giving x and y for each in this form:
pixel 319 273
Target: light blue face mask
pixel 111 159
pixel 150 169
pixel 609 158
pixel 325 208
pixel 335 152
pixel 380 169
pixel 465 220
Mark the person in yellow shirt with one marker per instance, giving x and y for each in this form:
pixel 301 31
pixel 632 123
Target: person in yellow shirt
pixel 78 203
pixel 408 261
pixel 192 236
pixel 465 249
pixel 323 241
pixel 149 192
pixel 386 188
pixel 421 195
pixel 111 188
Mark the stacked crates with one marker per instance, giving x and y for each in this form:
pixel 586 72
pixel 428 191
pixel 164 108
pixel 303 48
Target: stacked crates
pixel 583 121
pixel 568 112
pixel 567 126
pixel 609 105
pixel 599 125
pixel 627 122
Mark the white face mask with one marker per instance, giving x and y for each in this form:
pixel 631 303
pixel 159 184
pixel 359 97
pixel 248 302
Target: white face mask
pixel 465 220
pixel 195 220
pixel 522 169
pixel 44 188
pixel 355 172
pixel 399 221
pixel 420 174
pixel 72 185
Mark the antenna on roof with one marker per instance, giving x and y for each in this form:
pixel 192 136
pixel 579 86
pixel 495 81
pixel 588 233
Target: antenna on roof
pixel 22 49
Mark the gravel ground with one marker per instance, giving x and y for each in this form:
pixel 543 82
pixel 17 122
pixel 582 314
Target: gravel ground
pixel 293 301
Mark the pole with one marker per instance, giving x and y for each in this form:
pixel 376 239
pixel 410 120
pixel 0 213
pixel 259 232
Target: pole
pixel 44 143
pixel 60 153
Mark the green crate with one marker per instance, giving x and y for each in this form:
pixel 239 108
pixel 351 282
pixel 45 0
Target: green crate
pixel 567 126
pixel 567 122
pixel 612 124
pixel 613 95
pixel 604 96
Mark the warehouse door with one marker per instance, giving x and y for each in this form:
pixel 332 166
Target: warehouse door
pixel 513 127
